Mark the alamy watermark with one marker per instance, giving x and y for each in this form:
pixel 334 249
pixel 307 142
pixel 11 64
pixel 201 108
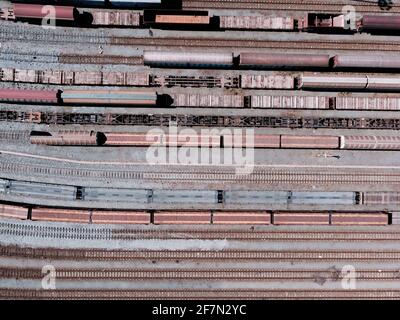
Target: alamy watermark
pixel 224 147
pixel 349 277
pixel 49 279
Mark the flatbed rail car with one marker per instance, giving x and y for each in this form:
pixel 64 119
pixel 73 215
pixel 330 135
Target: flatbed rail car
pixel 141 139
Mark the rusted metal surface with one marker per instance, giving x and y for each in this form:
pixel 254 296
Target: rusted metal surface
pixel 15 212
pixel 33 96
pixel 115 18
pixel 60 215
pixel 62 138
pixel 289 102
pixel 381 22
pixel 370 142
pixel 242 217
pixel 256 22
pixel 248 81
pixel 256 141
pixel 323 142
pixel 283 60
pixel 74 77
pixel 182 19
pixel 120 217
pixel 367 103
pixel 359 219
pixel 182 217
pixel 153 139
pixel 300 218
pixel 39 11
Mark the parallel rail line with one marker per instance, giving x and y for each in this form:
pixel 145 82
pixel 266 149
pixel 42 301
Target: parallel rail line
pixel 12 33
pixel 331 274
pixel 214 233
pixel 268 176
pixel 292 5
pixel 165 120
pixel 202 255
pixel 197 294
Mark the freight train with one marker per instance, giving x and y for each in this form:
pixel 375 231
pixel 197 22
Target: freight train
pixel 312 22
pixel 148 98
pixel 270 61
pixel 143 139
pixel 85 97
pixel 261 217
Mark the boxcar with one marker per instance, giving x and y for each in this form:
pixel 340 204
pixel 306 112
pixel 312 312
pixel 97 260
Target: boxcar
pixel 188 59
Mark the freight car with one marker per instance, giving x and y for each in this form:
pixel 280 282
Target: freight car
pixel 20 11
pixel 115 18
pixel 188 59
pixel 29 96
pixel 181 18
pixel 256 23
pixel 275 60
pixel 84 97
pixel 323 82
pixel 67 77
pixel 109 97
pixel 322 102
pixel 101 3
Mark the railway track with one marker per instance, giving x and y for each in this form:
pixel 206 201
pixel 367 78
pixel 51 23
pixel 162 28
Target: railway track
pixel 92 59
pixel 8 32
pixel 18 56
pixel 292 5
pixel 331 274
pixel 268 176
pixel 14 135
pixel 212 233
pixel 182 120
pixel 225 294
pixel 196 255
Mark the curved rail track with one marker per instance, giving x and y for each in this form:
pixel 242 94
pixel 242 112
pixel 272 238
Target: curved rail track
pixel 8 33
pixel 292 5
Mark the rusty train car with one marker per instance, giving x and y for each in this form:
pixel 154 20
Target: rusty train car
pixel 350 142
pixel 285 81
pixel 195 217
pixel 152 98
pixel 166 18
pixel 81 97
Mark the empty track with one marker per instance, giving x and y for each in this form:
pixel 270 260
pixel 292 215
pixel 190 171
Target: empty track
pixel 292 176
pixel 35 34
pixel 239 274
pixel 292 5
pixel 209 233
